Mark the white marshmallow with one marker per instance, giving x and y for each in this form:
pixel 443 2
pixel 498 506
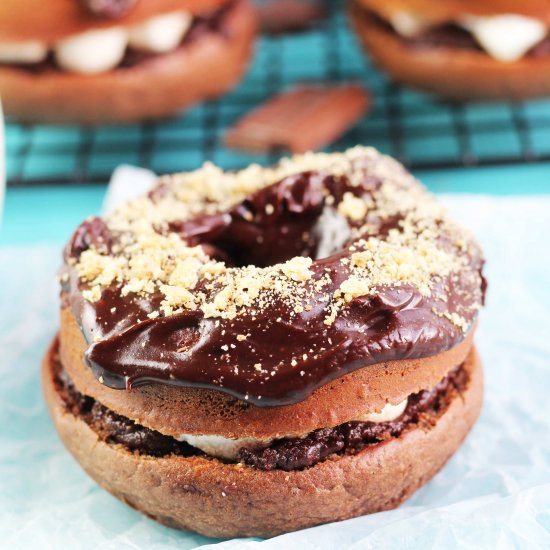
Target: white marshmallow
pixel 505 37
pixel 387 414
pixel 23 52
pixel 408 24
pixel 223 447
pixel 92 52
pixel 162 33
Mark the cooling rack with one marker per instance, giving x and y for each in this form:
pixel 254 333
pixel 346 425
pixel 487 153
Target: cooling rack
pixel 423 132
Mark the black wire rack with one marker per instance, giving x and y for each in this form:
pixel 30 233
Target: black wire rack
pixel 423 132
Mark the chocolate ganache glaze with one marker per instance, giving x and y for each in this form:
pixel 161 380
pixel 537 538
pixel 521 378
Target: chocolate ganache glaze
pixel 352 263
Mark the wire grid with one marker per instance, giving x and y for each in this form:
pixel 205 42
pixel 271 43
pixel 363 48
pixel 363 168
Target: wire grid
pixel 421 131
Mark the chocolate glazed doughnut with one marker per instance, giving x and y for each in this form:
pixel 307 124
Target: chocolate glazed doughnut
pixel 296 318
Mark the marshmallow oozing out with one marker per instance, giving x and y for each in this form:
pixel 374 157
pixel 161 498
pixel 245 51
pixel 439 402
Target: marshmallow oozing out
pixel 506 37
pixel 100 50
pixel 223 447
pixel 160 34
pixel 387 414
pixel 92 52
pixel 29 52
pixel 408 24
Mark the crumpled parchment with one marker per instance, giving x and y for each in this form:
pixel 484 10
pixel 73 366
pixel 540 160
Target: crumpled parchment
pixel 494 493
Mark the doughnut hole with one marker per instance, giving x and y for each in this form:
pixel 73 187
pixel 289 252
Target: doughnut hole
pixel 289 218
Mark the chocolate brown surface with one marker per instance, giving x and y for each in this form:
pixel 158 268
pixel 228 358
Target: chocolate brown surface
pixel 189 349
pixel 285 454
pixel 172 410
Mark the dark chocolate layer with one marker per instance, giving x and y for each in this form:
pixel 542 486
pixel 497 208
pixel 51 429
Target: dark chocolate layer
pixel 115 428
pixel 296 454
pixel 423 408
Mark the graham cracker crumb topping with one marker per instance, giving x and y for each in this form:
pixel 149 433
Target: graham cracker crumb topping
pixel 399 236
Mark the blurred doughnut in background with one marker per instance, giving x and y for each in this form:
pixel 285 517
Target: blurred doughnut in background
pixel 461 49
pixel 98 61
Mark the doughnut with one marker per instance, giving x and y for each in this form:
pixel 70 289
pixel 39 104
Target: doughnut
pixel 278 347
pixel 462 49
pixel 107 61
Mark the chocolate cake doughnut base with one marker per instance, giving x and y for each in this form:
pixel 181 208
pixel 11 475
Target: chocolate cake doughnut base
pixel 459 74
pixel 227 500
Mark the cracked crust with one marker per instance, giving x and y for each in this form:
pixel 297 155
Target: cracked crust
pixel 172 410
pixel 456 74
pixel 228 500
pixel 180 78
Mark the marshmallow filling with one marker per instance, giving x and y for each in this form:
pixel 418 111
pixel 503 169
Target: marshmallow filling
pixel 504 37
pixel 421 409
pixel 98 51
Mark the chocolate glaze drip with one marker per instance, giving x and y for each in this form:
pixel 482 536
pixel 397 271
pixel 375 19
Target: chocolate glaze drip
pixel 297 352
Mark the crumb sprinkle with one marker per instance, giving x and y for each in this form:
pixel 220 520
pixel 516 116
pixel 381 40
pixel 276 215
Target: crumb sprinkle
pixel 420 247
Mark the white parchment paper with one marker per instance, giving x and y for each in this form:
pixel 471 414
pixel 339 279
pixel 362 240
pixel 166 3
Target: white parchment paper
pixel 494 493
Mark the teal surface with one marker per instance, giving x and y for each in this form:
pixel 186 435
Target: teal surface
pixel 436 139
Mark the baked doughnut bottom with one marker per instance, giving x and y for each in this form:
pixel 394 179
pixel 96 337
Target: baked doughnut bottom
pixel 222 499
